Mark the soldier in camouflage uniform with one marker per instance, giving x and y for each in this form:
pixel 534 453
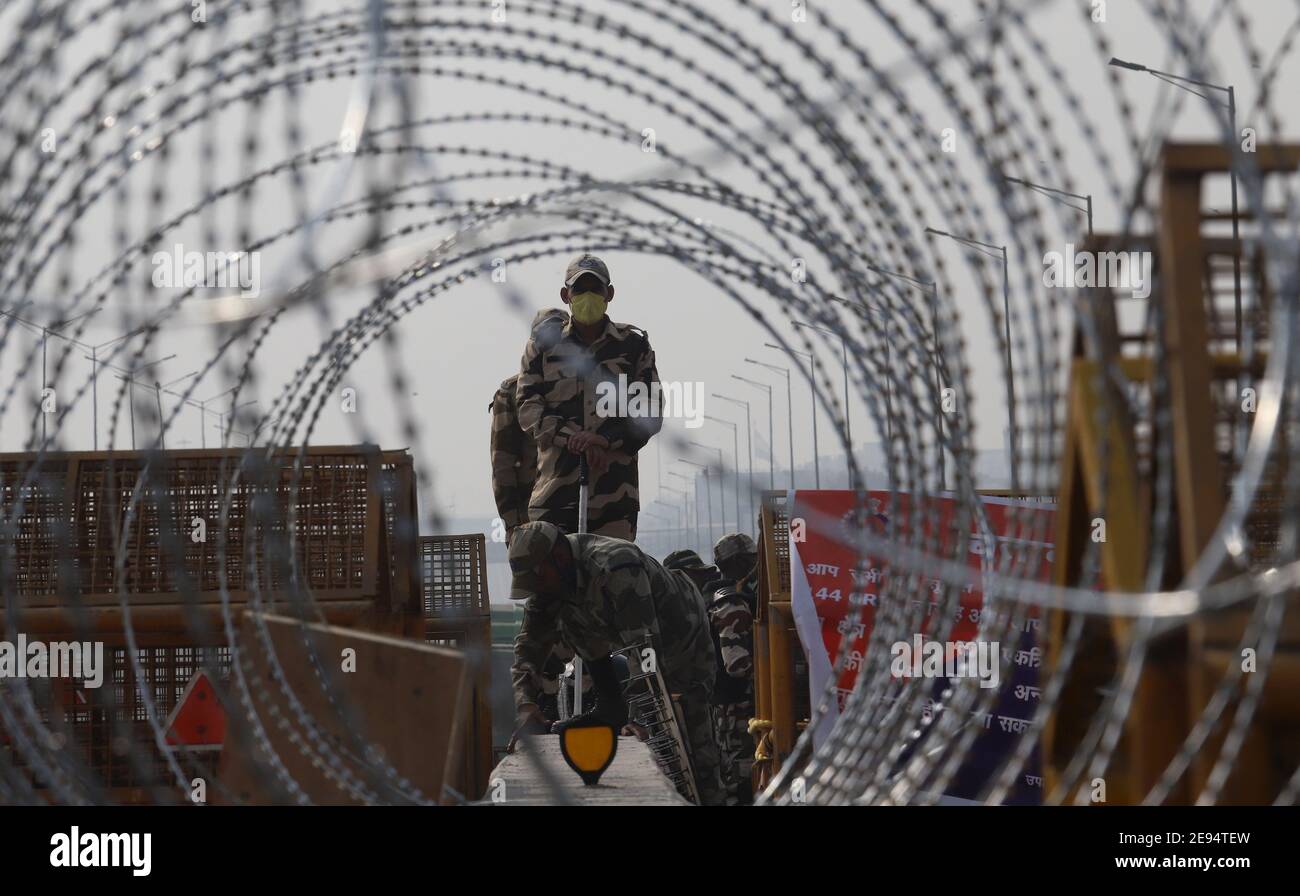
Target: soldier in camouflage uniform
pixel 567 391
pixel 732 601
pixel 603 594
pixel 514 453
pixel 689 562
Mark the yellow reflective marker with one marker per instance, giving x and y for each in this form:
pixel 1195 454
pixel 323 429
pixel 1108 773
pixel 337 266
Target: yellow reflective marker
pixel 589 751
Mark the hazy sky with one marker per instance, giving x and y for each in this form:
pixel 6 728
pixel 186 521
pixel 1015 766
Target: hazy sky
pixel 448 355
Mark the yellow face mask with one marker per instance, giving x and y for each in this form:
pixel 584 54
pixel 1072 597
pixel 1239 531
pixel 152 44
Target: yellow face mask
pixel 588 307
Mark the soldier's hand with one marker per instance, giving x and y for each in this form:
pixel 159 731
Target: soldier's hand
pixel 528 720
pixel 579 442
pixel 597 459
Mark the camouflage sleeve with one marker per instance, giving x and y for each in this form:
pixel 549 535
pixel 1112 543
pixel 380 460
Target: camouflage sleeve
pixel 514 466
pixel 530 398
pixel 630 434
pixel 627 592
pixel 533 645
pixel 734 623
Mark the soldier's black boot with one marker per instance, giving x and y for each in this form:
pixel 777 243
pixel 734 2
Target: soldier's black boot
pixel 610 708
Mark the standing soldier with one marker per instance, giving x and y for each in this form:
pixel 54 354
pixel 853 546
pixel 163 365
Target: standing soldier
pixel 604 594
pixel 514 454
pixel 592 393
pixel 732 602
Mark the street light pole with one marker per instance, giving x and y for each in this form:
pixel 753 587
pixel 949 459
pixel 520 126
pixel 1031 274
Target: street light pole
pixel 771 442
pixel 931 287
pixel 789 404
pixel 158 390
pixel 46 330
pixel 812 387
pixel 735 440
pixel 848 421
pixel 884 313
pixel 129 377
pixel 203 414
pixel 1181 83
pixel 1059 197
pixel 722 488
pixel 683 512
pixel 693 506
pixel 708 491
pixel 749 444
pixel 988 249
pixel 94 381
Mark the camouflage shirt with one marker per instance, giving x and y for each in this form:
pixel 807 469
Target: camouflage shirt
pixel 514 458
pixel 560 393
pixel 732 623
pixel 622 596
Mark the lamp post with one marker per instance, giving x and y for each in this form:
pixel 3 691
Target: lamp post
pixel 94 380
pixel 203 414
pixel 749 443
pixel 229 417
pixel 1059 197
pixel 693 506
pixel 771 442
pixel 884 313
pixel 989 250
pixel 129 377
pixel 933 289
pixel 812 387
pixel 722 488
pixel 848 422
pixel 708 491
pixel 789 402
pixel 158 391
pixel 683 513
pixel 1181 83
pixel 735 442
pixel 46 330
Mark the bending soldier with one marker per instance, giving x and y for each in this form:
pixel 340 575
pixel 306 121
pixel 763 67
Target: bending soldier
pixel 600 595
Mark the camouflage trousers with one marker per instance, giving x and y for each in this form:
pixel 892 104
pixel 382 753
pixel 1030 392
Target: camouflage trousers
pixel 735 750
pixel 615 527
pixel 700 737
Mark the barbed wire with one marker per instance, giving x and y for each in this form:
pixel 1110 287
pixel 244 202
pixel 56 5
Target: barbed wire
pixel 803 135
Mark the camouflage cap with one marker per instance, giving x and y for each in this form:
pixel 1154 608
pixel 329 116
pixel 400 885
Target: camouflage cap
pixel 684 559
pixel 530 544
pixel 733 545
pixel 546 314
pixel 586 263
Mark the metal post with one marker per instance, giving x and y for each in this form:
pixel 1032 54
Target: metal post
pixel 848 420
pixel 708 492
pixel 1236 233
pixel 130 403
pixel 94 398
pixel 1011 377
pixel 938 385
pixel 582 530
pixel 162 430
pixel 735 451
pixel 749 443
pixel 44 340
